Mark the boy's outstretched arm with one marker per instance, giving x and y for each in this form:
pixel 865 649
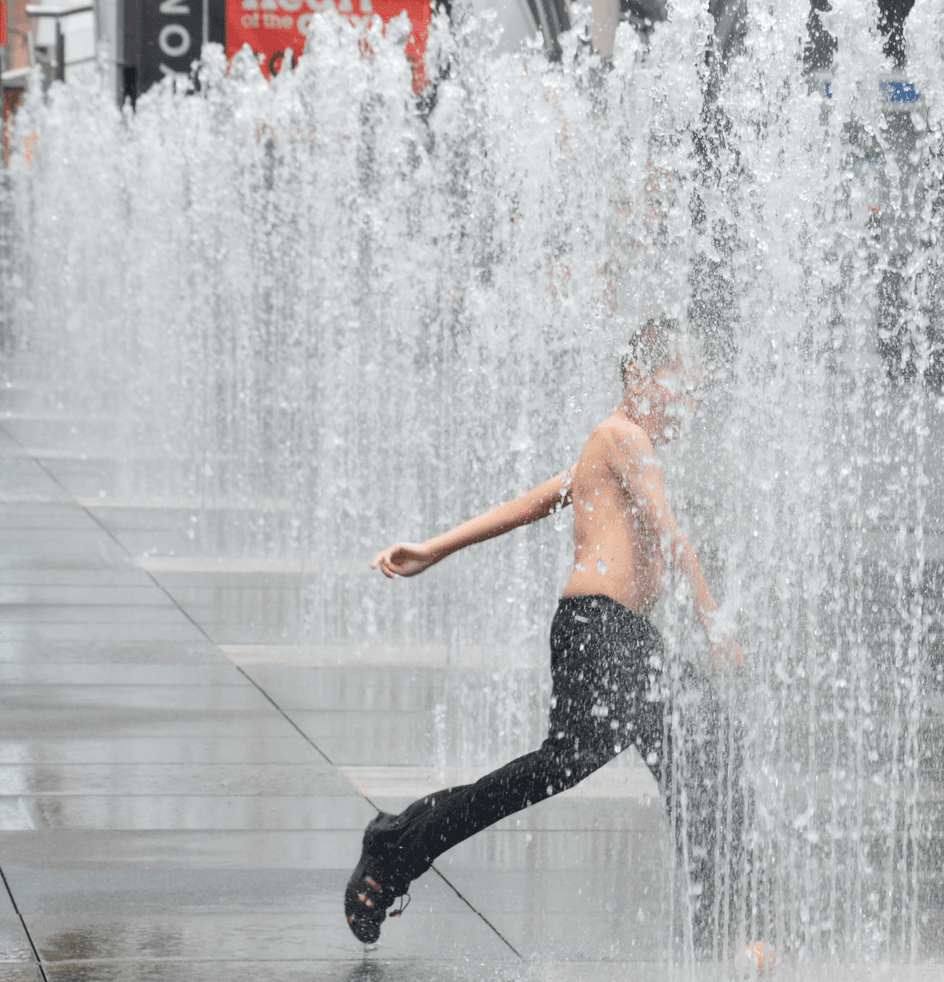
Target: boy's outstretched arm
pixel 410 558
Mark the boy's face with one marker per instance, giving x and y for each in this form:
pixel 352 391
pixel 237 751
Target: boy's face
pixel 671 396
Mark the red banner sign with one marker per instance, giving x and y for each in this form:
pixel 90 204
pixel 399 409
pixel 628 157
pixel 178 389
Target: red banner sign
pixel 271 27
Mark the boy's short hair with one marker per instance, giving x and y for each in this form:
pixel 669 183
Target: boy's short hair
pixel 653 347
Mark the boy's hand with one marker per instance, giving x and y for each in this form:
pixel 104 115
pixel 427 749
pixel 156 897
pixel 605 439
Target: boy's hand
pixel 403 559
pixel 724 653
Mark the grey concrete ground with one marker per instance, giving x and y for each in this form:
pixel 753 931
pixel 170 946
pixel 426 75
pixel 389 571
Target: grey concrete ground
pixel 182 794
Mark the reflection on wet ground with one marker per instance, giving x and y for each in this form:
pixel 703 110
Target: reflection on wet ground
pixel 184 780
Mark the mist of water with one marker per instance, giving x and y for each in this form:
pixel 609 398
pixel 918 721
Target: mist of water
pixel 329 318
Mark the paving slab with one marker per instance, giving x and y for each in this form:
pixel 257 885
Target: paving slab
pixel 75 594
pixel 58 432
pixel 65 673
pixel 122 724
pixel 103 630
pixel 53 543
pixel 175 849
pixel 318 810
pixel 76 616
pixel 87 574
pixel 105 652
pixel 24 481
pixel 82 475
pixel 242 749
pixel 14 942
pixel 310 688
pixel 155 698
pixel 312 778
pixel 27 515
pixel 20 972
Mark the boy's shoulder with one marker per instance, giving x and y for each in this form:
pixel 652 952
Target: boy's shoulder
pixel 620 443
pixel 626 432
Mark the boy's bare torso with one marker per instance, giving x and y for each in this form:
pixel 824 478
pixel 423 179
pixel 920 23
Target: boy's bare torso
pixel 624 531
pixel 616 549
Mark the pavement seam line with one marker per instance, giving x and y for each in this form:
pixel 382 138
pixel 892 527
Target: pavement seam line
pixel 285 715
pixel 442 876
pixel 245 675
pixel 465 900
pixel 163 589
pixel 29 937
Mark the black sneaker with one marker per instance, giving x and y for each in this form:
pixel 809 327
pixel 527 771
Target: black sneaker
pixel 375 883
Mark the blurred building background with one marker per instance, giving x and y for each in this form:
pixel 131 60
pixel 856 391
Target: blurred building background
pixel 31 36
pixel 139 42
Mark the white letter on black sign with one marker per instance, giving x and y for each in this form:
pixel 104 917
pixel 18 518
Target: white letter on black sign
pixel 174 50
pixel 171 7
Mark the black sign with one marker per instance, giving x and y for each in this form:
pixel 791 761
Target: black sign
pixel 171 36
pixel 164 38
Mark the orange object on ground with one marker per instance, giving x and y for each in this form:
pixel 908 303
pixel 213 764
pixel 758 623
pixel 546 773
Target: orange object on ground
pixel 757 957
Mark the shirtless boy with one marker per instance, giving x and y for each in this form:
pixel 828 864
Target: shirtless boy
pixel 605 655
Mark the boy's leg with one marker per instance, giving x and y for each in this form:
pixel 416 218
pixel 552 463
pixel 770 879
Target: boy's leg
pixel 714 775
pixel 706 762
pixel 605 661
pixel 601 700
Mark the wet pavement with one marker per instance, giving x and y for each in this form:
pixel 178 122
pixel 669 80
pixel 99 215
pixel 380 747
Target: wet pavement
pixel 183 784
